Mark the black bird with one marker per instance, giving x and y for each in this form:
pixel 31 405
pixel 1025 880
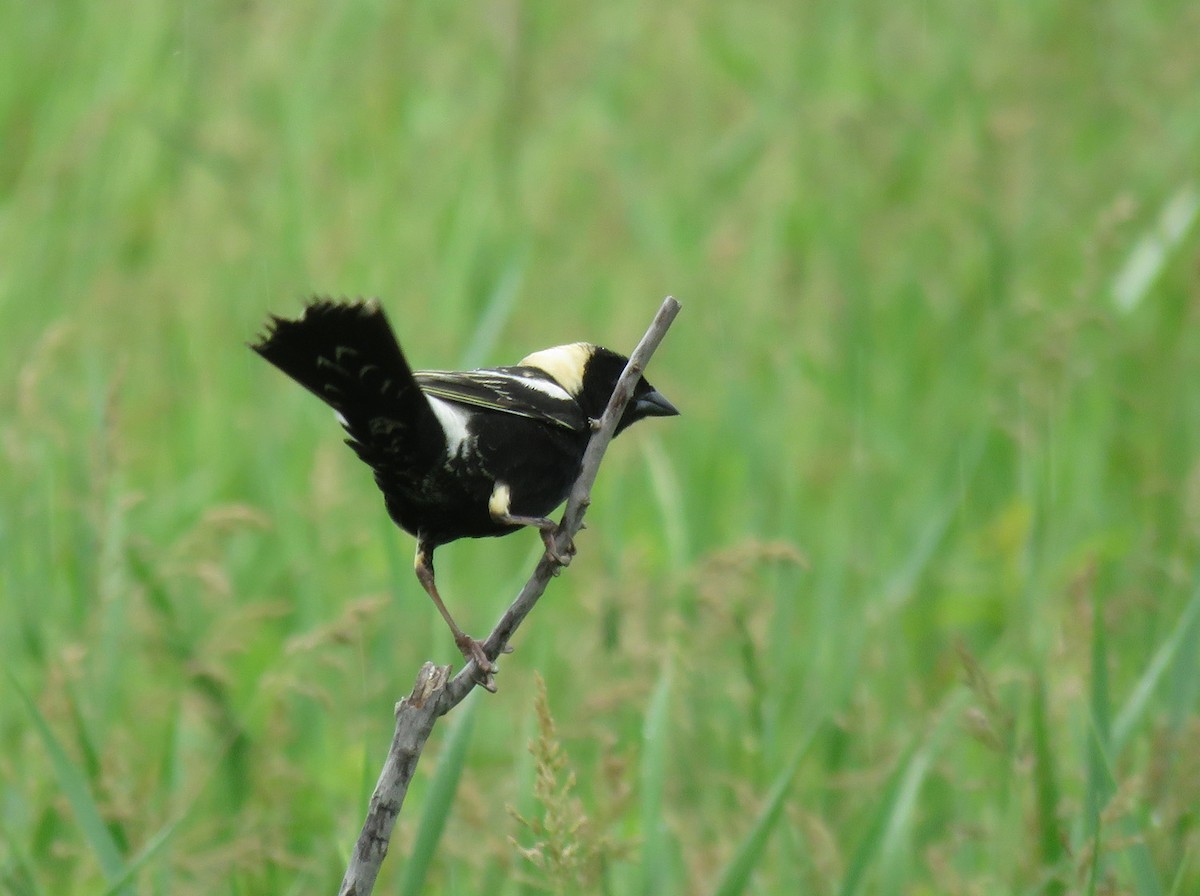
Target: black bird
pixel 456 454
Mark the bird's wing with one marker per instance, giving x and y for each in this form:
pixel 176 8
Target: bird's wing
pixel 523 391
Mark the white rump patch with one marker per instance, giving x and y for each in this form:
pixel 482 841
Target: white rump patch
pixel 453 421
pixel 563 362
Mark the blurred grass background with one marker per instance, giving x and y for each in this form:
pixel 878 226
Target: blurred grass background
pixel 905 602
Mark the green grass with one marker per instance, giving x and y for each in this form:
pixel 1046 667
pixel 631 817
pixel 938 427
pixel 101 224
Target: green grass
pixel 905 602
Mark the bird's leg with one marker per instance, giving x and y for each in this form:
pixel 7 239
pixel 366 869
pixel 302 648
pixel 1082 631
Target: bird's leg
pixel 471 649
pixel 546 528
pixel 498 508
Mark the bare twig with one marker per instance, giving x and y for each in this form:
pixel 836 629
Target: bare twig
pixel 435 693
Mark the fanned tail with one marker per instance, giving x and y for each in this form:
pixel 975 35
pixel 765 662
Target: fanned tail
pixel 347 355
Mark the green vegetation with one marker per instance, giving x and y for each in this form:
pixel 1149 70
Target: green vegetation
pixel 906 602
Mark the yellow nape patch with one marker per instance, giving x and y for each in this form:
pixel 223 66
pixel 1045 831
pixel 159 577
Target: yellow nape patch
pixel 498 502
pixel 563 362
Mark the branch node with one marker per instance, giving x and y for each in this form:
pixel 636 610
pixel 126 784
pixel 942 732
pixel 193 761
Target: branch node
pixel 430 679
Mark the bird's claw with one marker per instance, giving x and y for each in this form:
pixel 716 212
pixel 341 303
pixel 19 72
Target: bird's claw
pixel 561 556
pixel 485 669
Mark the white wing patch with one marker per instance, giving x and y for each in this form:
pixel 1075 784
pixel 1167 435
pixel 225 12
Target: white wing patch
pixel 546 387
pixel 453 420
pixel 563 362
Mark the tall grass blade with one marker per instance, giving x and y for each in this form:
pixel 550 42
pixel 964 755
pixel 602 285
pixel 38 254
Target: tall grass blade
pixel 669 497
pixel 872 843
pixel 148 852
pixel 1152 252
pixel 1181 643
pixel 898 587
pixel 496 312
pixel 1100 785
pixel 890 833
pixel 655 863
pixel 1046 790
pixel 735 877
pixel 1141 863
pixel 18 875
pixel 75 789
pixel 1181 874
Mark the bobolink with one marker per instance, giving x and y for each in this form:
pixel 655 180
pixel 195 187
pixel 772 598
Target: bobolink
pixel 456 454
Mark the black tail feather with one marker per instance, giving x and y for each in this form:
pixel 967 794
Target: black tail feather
pixel 334 349
pixel 347 355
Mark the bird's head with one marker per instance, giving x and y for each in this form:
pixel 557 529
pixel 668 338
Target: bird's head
pixel 590 373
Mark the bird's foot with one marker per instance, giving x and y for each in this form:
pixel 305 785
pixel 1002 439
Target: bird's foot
pixel 560 555
pixel 472 651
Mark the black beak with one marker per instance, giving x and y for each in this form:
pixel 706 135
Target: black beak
pixel 654 404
